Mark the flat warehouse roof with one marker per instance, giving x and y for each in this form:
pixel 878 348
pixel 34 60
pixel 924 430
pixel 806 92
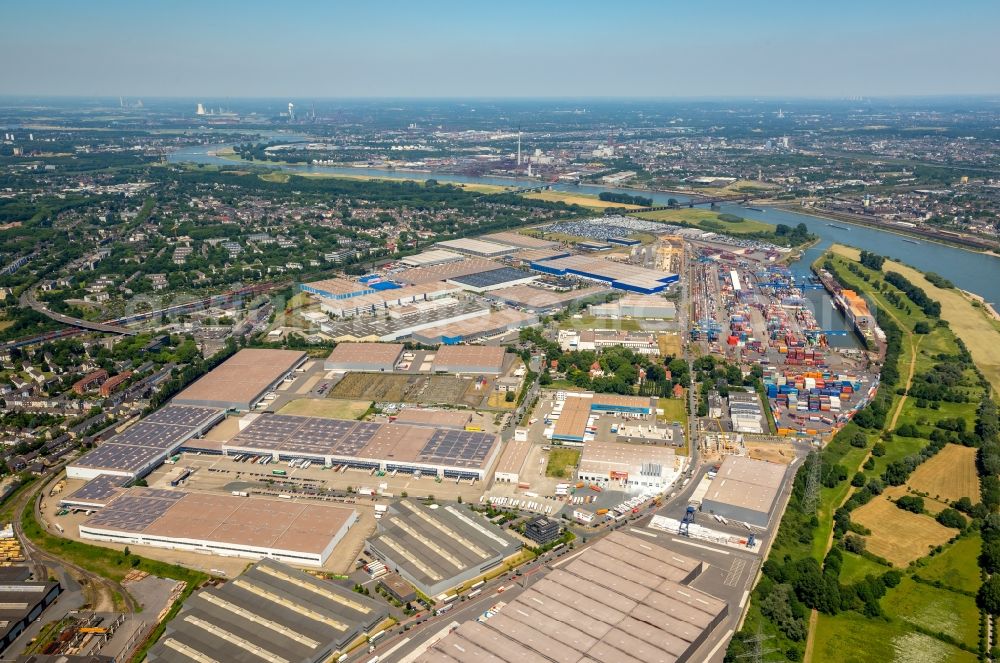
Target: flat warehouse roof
pixel 272 609
pixel 98 491
pixel 619 600
pixel 241 378
pixel 140 444
pixel 476 246
pixel 603 456
pixel 445 271
pixel 609 270
pixel 391 443
pixel 513 457
pixel 746 483
pixel 493 277
pixel 517 239
pixel 572 421
pixel 415 416
pixel 528 296
pixel 432 257
pixel 338 286
pixel 223 519
pixel 752 471
pixel 479 324
pixel 457 358
pixel 377 354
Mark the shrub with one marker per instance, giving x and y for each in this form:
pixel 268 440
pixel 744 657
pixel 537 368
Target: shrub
pixel 911 503
pixel 951 518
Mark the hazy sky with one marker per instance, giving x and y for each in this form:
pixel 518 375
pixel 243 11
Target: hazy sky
pixel 499 49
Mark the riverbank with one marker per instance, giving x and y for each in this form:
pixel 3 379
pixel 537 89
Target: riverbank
pixel 977 327
pixel 928 236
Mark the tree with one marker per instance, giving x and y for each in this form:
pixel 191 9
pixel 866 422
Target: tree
pixel 989 558
pixel 951 518
pixel 854 544
pixel 921 328
pixel 911 503
pixel 988 597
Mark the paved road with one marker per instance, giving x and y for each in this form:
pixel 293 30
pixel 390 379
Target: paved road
pixel 28 299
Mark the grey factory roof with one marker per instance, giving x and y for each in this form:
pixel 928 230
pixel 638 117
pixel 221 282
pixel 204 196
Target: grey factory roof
pixel 270 613
pixel 241 379
pixel 378 356
pixel 224 519
pixel 154 436
pixel 495 277
pixel 746 483
pixel 98 491
pixel 469 358
pixel 621 600
pixel 395 443
pixel 432 545
pixel 379 327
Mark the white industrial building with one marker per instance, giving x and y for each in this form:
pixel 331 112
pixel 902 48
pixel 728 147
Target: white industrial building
pixel 634 468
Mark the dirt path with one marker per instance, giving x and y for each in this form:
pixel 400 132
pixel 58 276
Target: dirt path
pixel 914 347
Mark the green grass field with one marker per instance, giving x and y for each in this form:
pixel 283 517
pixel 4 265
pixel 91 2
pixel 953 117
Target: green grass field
pixel 562 461
pixel 852 638
pixel 674 409
pixel 939 610
pixel 956 567
pixel 696 217
pixel 857 567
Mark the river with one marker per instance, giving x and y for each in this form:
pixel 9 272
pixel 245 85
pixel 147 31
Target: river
pixel 975 272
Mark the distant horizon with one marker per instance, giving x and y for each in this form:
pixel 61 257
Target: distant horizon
pixel 981 96
pixel 448 49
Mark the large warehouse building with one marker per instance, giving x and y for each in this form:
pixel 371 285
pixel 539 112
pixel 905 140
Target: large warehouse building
pixel 270 613
pixel 745 490
pixel 622 599
pixel 389 447
pixel 640 307
pixel 225 525
pixel 634 468
pixel 479 359
pixel 241 381
pixel 573 415
pixel 436 549
pixel 621 276
pixel 494 279
pixel 471 329
pixel 540 300
pixel 372 357
pixel 477 247
pixel 144 445
pixel 510 467
pixel 384 300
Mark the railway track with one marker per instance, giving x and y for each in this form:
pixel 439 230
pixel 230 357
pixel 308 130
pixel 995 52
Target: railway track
pixel 37 557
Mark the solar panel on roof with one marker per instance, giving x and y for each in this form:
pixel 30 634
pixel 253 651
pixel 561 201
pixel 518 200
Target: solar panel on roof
pixel 492 277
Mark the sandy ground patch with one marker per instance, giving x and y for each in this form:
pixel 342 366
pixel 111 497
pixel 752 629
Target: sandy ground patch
pixel 948 475
pixel 899 536
pixel 330 408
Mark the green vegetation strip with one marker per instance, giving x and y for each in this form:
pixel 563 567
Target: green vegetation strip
pixel 114 565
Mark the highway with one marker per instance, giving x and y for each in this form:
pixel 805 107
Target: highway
pixel 28 299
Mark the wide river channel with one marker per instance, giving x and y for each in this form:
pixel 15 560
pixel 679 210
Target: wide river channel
pixel 975 272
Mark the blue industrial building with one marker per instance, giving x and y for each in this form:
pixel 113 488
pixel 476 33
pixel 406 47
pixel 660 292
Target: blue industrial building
pixel 661 284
